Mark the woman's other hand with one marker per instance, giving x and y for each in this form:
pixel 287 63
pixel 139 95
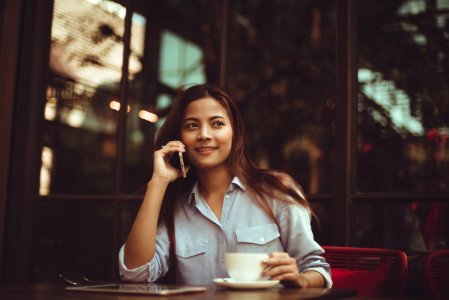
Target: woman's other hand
pixel 280 266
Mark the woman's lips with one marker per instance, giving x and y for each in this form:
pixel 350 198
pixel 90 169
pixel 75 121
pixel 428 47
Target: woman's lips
pixel 205 149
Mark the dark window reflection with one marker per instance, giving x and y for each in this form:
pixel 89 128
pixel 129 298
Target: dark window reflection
pixel 403 96
pixel 411 226
pixel 79 143
pixel 179 45
pixel 324 224
pixel 281 70
pixel 73 237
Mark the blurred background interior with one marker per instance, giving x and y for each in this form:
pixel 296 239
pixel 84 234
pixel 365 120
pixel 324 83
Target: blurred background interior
pixel 349 97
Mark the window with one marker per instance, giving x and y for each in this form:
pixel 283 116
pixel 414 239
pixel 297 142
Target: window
pixel 282 71
pixel 82 104
pixel 403 92
pixel 83 143
pixel 403 125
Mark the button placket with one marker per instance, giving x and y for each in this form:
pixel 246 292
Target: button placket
pixel 227 204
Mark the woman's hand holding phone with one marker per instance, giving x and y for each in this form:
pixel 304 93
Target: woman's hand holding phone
pixel 163 169
pixel 141 242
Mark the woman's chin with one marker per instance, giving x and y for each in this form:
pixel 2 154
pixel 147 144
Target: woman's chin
pixel 208 166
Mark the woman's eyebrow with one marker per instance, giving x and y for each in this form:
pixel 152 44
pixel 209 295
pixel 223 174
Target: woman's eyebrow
pixel 216 117
pixel 210 118
pixel 189 119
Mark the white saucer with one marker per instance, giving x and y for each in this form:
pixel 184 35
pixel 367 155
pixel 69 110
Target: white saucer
pixel 258 284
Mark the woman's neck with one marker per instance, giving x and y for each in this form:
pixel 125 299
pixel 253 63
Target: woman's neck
pixel 213 182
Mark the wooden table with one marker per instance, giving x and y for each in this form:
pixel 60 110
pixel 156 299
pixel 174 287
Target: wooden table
pixel 50 291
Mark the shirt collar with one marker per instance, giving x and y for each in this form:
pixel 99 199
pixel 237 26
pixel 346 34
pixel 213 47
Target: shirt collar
pixel 195 193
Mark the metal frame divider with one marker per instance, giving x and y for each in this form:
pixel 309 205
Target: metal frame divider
pixel 345 120
pixel 30 89
pixel 121 136
pixel 9 45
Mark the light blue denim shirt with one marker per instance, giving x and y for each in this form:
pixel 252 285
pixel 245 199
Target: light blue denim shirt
pixel 202 239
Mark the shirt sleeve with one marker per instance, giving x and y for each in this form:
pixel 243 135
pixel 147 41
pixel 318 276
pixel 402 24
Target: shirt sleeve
pixel 298 241
pixel 154 269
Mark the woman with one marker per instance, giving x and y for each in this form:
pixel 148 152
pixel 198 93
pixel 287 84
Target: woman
pixel 226 204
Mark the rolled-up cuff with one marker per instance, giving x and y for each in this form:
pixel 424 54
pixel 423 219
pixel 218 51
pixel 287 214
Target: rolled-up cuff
pixel 325 273
pixel 139 274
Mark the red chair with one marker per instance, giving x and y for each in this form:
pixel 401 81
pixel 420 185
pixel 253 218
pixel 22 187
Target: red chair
pixel 373 272
pixel 436 273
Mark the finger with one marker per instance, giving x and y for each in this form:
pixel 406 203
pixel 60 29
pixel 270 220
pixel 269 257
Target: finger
pixel 274 256
pixel 286 277
pixel 278 261
pixel 174 145
pixel 281 271
pixel 164 152
pixel 279 254
pixel 266 270
pixel 187 169
pixel 170 148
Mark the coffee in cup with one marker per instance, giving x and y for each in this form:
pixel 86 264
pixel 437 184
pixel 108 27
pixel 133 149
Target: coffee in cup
pixel 245 266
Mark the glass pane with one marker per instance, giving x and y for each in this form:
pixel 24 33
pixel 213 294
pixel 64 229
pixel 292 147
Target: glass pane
pixel 73 237
pixel 177 44
pixel 128 212
pixel 81 110
pixel 403 106
pixel 323 226
pixel 281 70
pixel 181 61
pixel 412 226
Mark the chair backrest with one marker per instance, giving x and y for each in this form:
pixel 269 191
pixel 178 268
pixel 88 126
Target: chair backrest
pixel 436 273
pixel 355 258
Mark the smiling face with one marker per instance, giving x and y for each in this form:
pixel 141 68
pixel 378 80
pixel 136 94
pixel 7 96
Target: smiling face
pixel 206 131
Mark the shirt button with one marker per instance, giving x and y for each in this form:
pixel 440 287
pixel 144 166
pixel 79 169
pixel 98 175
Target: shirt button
pixel 262 239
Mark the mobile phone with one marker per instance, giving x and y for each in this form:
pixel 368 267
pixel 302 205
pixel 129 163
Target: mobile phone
pixel 181 165
pixel 180 161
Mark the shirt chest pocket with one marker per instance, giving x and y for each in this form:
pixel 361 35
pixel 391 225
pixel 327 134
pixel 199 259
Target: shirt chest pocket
pixel 187 249
pixel 261 238
pixel 191 256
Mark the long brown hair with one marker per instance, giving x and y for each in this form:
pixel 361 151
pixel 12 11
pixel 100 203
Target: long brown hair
pixel 261 183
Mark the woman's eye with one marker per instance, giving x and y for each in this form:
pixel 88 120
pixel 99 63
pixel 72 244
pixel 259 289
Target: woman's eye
pixel 218 123
pixel 191 125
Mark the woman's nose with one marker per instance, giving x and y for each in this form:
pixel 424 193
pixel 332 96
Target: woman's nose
pixel 204 133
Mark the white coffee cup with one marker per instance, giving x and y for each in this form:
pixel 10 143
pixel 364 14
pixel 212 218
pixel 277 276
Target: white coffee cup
pixel 245 266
